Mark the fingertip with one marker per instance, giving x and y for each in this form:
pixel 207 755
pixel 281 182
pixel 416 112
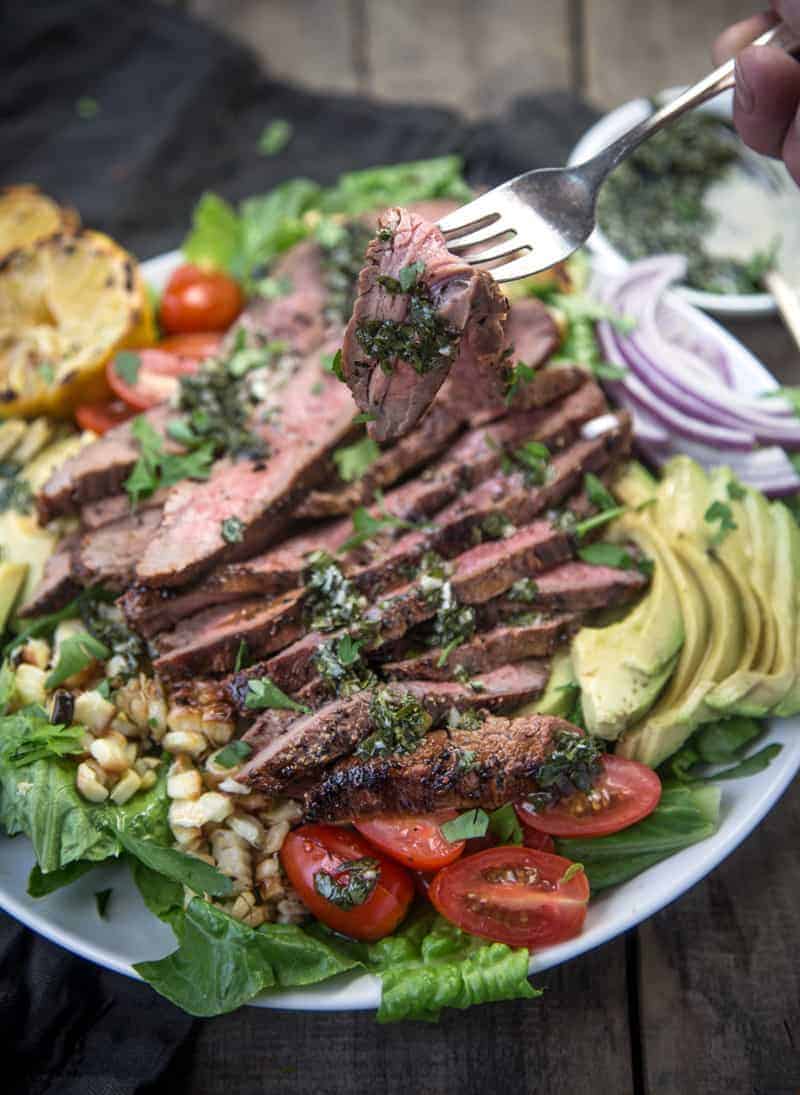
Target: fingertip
pixel 767 97
pixel 736 37
pixel 791 149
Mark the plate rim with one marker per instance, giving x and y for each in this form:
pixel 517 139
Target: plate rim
pixel 361 991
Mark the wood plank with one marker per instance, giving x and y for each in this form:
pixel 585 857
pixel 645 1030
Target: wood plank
pixel 306 41
pixel 638 47
pixel 719 978
pixel 578 1028
pixel 473 57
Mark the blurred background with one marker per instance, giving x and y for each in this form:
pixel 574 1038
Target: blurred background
pixel 476 57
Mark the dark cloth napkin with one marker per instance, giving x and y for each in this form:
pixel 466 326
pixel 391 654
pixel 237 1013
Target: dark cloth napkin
pixel 179 111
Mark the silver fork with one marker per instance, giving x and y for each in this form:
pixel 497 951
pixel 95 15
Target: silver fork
pixel 541 217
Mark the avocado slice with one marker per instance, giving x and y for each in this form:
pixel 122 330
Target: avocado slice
pixel 790 704
pixel 558 696
pixel 38 471
pixel 622 668
pixel 712 616
pixel 773 574
pixel 12 576
pixel 634 486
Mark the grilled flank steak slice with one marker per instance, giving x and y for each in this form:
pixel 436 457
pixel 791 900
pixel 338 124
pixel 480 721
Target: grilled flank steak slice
pixel 418 308
pixel 456 768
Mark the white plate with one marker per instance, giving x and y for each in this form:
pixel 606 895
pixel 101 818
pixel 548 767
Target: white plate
pixel 613 125
pixel 133 934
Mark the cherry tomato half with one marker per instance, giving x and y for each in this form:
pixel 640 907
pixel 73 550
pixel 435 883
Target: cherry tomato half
pixel 199 300
pixel 314 849
pixel 196 344
pixel 100 417
pixel 147 377
pixel 413 839
pixel 626 792
pixel 513 895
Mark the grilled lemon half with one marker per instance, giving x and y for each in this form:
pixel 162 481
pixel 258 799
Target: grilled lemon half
pixel 66 305
pixel 27 217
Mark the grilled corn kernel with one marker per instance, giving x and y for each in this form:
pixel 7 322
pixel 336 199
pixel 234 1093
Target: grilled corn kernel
pixel 127 787
pixel 200 811
pixel 276 834
pixel 233 858
pixel 93 711
pixel 249 828
pixel 283 810
pixel 123 725
pixel 142 700
pixel 187 836
pixel 30 685
pixel 149 780
pixel 36 652
pixel 185 784
pixel 109 752
pixel 184 741
pixel 89 785
pixel 218 732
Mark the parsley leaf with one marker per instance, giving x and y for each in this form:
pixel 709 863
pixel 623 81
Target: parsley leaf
pixel 366 527
pixel 233 754
pixel 504 825
pixel 275 137
pixel 242 656
pixel 27 736
pixel 722 512
pixel 127 365
pixel 262 694
pixel 583 527
pixel 735 490
pixel 352 461
pixel 157 468
pixel 332 363
pixel 232 530
pixel 350 884
pixel 74 654
pixel 520 374
pixel 606 555
pixel 409 275
pixel 466 826
pixel 597 493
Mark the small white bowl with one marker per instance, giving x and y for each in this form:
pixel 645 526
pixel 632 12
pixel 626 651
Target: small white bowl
pixel 613 125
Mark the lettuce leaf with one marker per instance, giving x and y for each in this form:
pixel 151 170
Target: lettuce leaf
pixel 40 884
pixel 720 742
pixel 245 242
pixel 222 963
pixel 685 815
pixel 42 801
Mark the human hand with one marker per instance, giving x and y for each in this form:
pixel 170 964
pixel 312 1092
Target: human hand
pixel 767 98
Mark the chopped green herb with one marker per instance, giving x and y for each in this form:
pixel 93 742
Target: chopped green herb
pixel 573 765
pixel 15 492
pixel 399 722
pixel 332 600
pixel 273 288
pixel 28 736
pixel 504 825
pixel 353 461
pixel 520 374
pixel 232 530
pixel 571 871
pixel 75 654
pixel 263 694
pixel 722 512
pixel 495 526
pixel 340 664
pixel 453 623
pixel 332 363
pixel 533 458
pixel 597 494
pixel 232 755
pixel 410 275
pixel 606 555
pixel 156 468
pixel 360 419
pixel 583 527
pixel 242 657
pixel 524 589
pixel 351 884
pixel 86 107
pixel 366 527
pixel 275 137
pixel 104 688
pixel 46 372
pixel 464 759
pixel 735 490
pixel 102 898
pixel 127 365
pixel 466 826
pixel 423 338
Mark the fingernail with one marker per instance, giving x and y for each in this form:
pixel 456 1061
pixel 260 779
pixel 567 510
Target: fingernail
pixel 744 98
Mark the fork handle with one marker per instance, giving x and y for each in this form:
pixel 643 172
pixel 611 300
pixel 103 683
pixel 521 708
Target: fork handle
pixel 721 79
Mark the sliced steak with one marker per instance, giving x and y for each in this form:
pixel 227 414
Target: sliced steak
pixel 58 585
pixel 500 690
pixel 506 643
pixel 404 336
pixel 108 556
pixel 316 415
pixel 278 570
pixel 506 756
pixel 96 514
pixel 296 317
pixel 209 641
pixel 428 439
pixel 572 587
pixel 96 471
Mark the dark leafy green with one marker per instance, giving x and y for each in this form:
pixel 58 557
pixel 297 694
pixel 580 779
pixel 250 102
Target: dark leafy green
pixel 470 824
pixel 40 884
pixel 263 694
pixel 233 754
pixel 351 884
pixel 177 866
pixel 28 736
pixel 399 721
pixel 75 654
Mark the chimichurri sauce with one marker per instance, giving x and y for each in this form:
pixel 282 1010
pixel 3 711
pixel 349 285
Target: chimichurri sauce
pixel 655 202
